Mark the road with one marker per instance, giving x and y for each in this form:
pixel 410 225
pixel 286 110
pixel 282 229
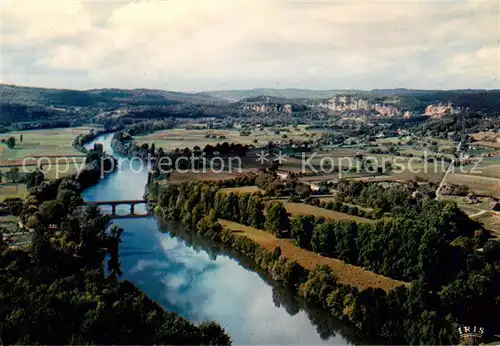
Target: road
pixel 450 168
pixel 479 213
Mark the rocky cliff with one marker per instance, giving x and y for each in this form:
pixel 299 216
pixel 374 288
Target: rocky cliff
pixel 267 108
pixel 350 103
pixel 440 110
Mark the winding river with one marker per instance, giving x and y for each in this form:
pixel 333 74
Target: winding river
pixel 202 282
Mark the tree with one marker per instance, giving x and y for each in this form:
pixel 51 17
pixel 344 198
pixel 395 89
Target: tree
pixel 255 212
pixel 34 178
pixel 52 211
pixel 113 250
pixel 40 246
pixel 11 142
pixel 13 175
pixel 301 230
pixel 276 218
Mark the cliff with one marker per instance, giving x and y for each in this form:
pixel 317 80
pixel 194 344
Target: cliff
pixel 351 103
pixel 440 110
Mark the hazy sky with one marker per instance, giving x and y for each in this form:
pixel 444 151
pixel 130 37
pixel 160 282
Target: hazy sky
pixel 192 45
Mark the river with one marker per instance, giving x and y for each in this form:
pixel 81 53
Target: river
pixel 201 282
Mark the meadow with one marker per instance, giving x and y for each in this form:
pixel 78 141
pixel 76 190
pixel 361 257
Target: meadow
pixel 35 144
pixel 491 221
pixel 12 190
pixel 182 137
pixel 305 209
pixel 40 143
pixel 242 189
pixel 346 273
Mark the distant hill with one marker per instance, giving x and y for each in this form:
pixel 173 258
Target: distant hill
pixel 35 105
pixel 97 97
pixel 236 95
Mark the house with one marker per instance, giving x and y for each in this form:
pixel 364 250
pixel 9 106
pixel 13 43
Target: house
pixel 471 198
pixel 496 207
pixel 313 186
pixel 283 175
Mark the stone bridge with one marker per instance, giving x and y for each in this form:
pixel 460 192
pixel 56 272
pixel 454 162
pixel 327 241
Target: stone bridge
pixel 114 203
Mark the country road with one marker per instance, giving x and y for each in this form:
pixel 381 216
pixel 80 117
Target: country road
pixel 450 168
pixel 479 213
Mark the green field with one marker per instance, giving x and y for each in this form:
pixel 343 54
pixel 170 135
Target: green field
pixel 182 138
pixel 346 273
pixel 242 189
pixel 52 172
pixel 306 209
pixel 12 190
pixel 40 143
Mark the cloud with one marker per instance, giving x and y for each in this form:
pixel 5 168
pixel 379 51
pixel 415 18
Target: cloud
pixel 212 44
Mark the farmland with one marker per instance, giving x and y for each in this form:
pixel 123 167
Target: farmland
pixel 346 273
pixel 182 137
pixel 52 148
pixel 180 177
pixel 40 143
pixel 491 221
pixel 306 209
pixel 242 189
pixel 12 190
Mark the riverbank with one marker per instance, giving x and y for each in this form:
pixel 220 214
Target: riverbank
pixel 400 314
pixel 188 280
pixel 318 286
pixel 346 274
pixel 326 324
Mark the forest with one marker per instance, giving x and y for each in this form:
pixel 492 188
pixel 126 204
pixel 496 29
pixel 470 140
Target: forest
pixel 60 293
pixel 452 265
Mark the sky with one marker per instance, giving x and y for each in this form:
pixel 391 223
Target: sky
pixel 195 45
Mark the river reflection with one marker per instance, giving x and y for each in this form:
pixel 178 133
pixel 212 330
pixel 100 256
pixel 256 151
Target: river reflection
pixel 203 281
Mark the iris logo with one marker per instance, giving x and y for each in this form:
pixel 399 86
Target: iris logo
pixel 470 335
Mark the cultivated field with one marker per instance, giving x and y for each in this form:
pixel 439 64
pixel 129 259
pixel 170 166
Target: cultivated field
pixel 487 139
pixel 177 178
pixel 182 138
pixel 12 190
pixel 306 209
pixel 242 189
pixel 346 273
pixel 491 221
pixel 479 184
pixel 40 143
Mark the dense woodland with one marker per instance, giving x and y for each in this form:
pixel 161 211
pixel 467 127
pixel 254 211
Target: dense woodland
pixel 58 292
pixel 429 243
pixel 24 108
pixel 453 266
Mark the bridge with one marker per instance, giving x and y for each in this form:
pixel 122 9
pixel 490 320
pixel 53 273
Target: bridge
pixel 114 203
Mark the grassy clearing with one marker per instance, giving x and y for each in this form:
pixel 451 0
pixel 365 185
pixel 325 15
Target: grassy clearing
pixel 242 189
pixel 13 190
pixel 40 143
pixel 479 184
pixel 332 199
pixel 53 172
pixel 306 209
pixel 346 273
pixel 487 139
pixel 177 178
pixel 491 221
pixel 484 203
pixel 182 138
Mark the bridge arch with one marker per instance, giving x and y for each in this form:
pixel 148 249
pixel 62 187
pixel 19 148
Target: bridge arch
pixel 114 203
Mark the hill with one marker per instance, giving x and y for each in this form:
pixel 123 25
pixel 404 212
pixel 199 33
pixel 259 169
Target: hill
pixel 97 97
pixel 236 95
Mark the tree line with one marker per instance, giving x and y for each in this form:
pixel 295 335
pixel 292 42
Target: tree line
pixel 59 293
pixel 434 245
